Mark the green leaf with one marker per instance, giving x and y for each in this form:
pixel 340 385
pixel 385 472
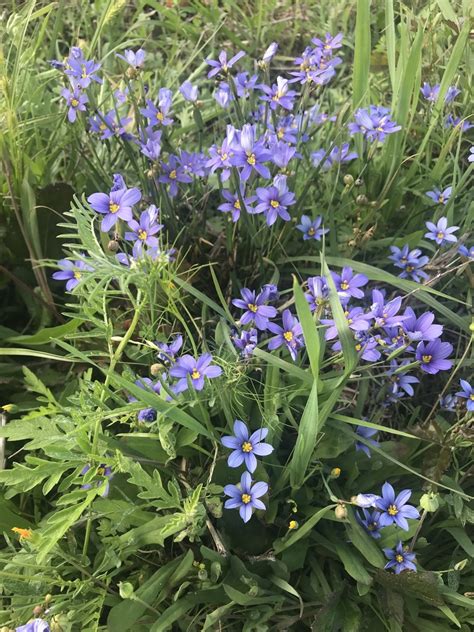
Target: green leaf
pixel 47 334
pixel 310 332
pixel 306 440
pixel 360 73
pixel 352 563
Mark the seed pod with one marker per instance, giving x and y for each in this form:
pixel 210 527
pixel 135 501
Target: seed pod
pixel 113 245
pixel 37 611
pixel 362 200
pixel 340 512
pixel 359 182
pixel 348 180
pixel 156 369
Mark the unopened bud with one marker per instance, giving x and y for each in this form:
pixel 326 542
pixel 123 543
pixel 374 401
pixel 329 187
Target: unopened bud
pixel 156 369
pixel 340 512
pixel 37 611
pixel 361 200
pixel 348 180
pixel 335 472
pixel 48 598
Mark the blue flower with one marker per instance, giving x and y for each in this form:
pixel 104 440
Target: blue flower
pixel 82 72
pixel 430 93
pixel 246 447
pixel 370 521
pixel 159 115
pixel 318 292
pixel 279 94
pixel 246 342
pixel 400 559
pixel 144 231
pixel 168 352
pixel 410 261
pixel 103 472
pixel 134 59
pixel 72 272
pixel 115 205
pixel 400 381
pixel 337 155
pixel 250 154
pixel 311 227
pixel 466 252
pixel 366 433
pixel 432 356
pixel 174 172
pixel 347 284
pixel 256 311
pixel 374 124
pixel 246 497
pixel 421 328
pixel 189 92
pixel 467 393
pixel 270 53
pixel 233 205
pixel 395 510
pixel 289 334
pixel 194 369
pixel 36 625
pixel 365 500
pixel 107 125
pixel 223 65
pixel 386 314
pixel 274 200
pixel 76 101
pixel 438 196
pixel 440 233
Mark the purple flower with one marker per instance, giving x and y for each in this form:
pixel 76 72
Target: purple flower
pixel 245 446
pixel 115 205
pixel 72 272
pixel 395 510
pixel 451 93
pixel 256 311
pixel 196 369
pixel 282 153
pixel 134 59
pixel 430 93
pixel 103 472
pixel 410 261
pixel 147 415
pixel 76 101
pixel 245 84
pixel 386 314
pixel 189 92
pixel 467 393
pixel 107 125
pixel 250 154
pixel 318 293
pixel 270 53
pixel 347 283
pixel 233 205
pixel 420 328
pixel 400 559
pixel 221 156
pixel 246 342
pixel 246 497
pixel 223 95
pixel 366 433
pixel 356 319
pixel 466 252
pixel 374 124
pixel 310 227
pixel 456 121
pixel 471 154
pixel 432 356
pixel 36 625
pixel 172 173
pixel 329 44
pixel 290 334
pixel 167 353
pixel 400 381
pixel 279 94
pixel 143 231
pixel 274 200
pixel 82 72
pixel 337 155
pixel 223 64
pixel 159 115
pixel 440 233
pixel 370 521
pixel 272 291
pixel 440 197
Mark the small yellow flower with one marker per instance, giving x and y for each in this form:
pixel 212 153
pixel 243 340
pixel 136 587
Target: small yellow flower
pixel 335 472
pixel 293 525
pixel 7 408
pixel 25 534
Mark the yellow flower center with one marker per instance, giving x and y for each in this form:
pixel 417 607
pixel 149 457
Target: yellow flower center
pixel 274 203
pixel 439 235
pixel 281 133
pixel 371 526
pixel 426 359
pixel 77 275
pixel 252 307
pixel 74 103
pixel 392 510
pixel 195 375
pixel 113 207
pixel 160 116
pixel 288 336
pixel 399 558
pixel 237 205
pixel 224 157
pixel 441 199
pixel 344 285
pixel 84 73
pixel 101 471
pixel 173 174
pixel 251 159
pixel 246 498
pixel 142 234
pixel 358 346
pixel 247 446
pixel 410 268
pixel 311 231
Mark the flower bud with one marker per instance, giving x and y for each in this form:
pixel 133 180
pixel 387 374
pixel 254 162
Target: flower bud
pixel 112 246
pixel 37 611
pixel 156 369
pixel 348 180
pixel 48 598
pixel 341 512
pixel 361 200
pixel 335 472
